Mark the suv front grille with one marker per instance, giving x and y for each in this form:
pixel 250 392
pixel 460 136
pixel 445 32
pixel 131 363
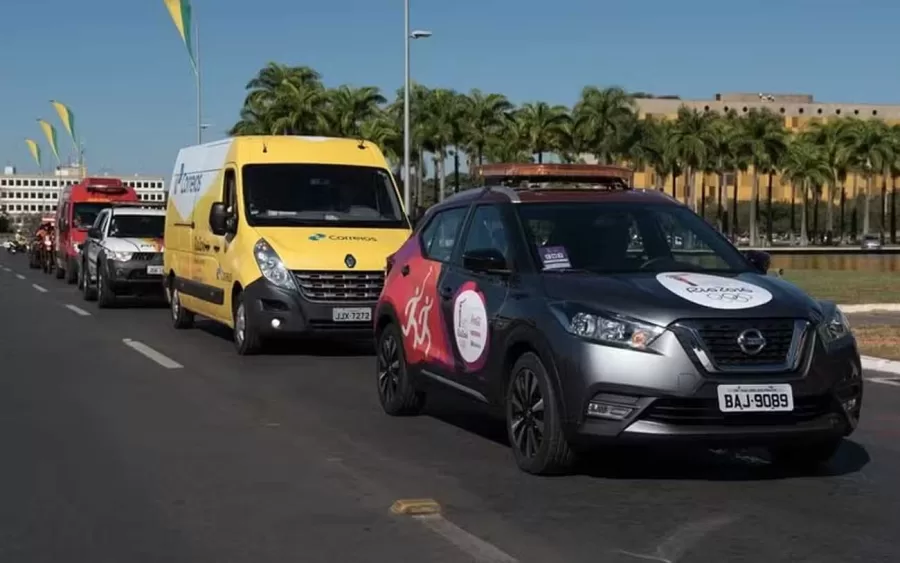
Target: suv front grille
pixel 694 411
pixel 327 287
pixel 715 343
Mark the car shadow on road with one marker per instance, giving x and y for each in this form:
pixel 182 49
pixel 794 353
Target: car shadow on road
pixel 658 462
pixel 323 347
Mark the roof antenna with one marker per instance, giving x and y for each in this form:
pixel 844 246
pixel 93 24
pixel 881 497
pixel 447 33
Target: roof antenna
pixel 362 144
pixel 265 148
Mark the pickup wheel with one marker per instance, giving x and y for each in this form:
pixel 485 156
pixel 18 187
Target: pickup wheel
pixel 71 272
pixel 88 293
pixel 105 296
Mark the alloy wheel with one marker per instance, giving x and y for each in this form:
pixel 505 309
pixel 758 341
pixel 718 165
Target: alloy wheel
pixel 388 368
pixel 527 414
pixel 175 304
pixel 240 324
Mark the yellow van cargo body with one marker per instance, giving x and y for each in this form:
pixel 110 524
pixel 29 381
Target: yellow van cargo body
pixel 281 235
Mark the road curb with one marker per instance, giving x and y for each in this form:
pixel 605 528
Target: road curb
pixel 881 365
pixel 870 308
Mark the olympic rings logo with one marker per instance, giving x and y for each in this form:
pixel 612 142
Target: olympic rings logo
pixel 729 297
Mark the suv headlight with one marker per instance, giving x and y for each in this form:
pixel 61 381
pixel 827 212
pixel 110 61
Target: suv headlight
pixel 271 266
pixel 118 255
pixel 835 326
pixel 610 329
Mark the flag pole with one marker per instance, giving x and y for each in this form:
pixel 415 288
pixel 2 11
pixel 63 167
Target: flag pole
pixel 199 83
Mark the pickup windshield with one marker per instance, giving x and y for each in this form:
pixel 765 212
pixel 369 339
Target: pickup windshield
pixel 137 226
pixel 320 195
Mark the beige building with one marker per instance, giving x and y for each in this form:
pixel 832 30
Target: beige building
pixel 798 110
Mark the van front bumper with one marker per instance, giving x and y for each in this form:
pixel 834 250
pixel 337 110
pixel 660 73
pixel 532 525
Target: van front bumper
pixel 276 311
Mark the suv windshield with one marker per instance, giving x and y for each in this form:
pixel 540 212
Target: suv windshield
pixel 137 226
pixel 626 238
pixel 84 214
pixel 320 195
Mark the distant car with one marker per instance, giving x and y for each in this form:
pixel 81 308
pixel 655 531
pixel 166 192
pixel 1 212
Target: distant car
pixel 505 296
pixel 870 242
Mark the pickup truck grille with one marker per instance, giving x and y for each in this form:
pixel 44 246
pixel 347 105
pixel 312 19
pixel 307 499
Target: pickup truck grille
pixel 339 287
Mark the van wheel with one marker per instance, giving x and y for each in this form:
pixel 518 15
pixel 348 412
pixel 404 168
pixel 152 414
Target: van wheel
pixel 533 420
pixel 71 272
pixel 84 282
pixel 247 339
pixel 181 317
pixel 396 393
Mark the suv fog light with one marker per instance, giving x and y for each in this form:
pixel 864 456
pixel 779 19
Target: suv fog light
pixel 613 407
pixel 276 323
pixel 850 404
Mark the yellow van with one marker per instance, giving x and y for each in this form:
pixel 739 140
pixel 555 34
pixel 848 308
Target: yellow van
pixel 280 236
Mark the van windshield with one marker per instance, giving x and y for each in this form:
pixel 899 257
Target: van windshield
pixel 321 195
pixel 84 214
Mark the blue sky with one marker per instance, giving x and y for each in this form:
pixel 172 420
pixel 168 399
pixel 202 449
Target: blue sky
pixel 121 66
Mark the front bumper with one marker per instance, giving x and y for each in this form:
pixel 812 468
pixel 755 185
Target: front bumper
pixel 134 277
pixel 276 311
pixel 668 397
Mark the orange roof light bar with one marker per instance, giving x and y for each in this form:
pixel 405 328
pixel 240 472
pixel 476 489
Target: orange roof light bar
pixel 557 173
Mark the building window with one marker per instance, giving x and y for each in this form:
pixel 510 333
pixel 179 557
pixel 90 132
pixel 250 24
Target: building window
pixel 819 111
pixel 856 112
pixel 874 112
pixel 18 182
pixel 838 111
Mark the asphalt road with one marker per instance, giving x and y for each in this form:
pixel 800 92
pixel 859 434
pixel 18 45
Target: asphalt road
pixel 126 441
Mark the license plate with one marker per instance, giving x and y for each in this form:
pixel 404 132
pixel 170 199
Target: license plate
pixel 756 398
pixel 155 270
pixel 351 314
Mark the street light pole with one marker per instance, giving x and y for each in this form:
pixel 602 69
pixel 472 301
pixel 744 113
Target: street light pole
pixel 199 86
pixel 406 151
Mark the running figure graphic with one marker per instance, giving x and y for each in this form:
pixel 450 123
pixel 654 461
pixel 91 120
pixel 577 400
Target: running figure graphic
pixel 417 319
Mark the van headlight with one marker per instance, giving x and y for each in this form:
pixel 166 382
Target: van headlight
pixel 271 266
pixel 118 256
pixel 610 329
pixel 835 326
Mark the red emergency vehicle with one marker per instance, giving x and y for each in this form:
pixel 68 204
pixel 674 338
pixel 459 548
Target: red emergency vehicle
pixel 78 207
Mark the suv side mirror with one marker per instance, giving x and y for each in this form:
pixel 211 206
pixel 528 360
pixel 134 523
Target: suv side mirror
pixel 760 260
pixel 94 233
pixel 485 260
pixel 218 219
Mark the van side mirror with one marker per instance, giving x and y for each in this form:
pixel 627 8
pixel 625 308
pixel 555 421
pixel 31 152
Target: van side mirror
pixel 218 219
pixel 486 261
pixel 760 260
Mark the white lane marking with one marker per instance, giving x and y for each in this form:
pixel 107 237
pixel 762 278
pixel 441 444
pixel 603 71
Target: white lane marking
pixel 149 352
pixel 78 310
pixel 20 276
pixel 476 547
pixel 895 381
pixel 39 288
pixel 676 544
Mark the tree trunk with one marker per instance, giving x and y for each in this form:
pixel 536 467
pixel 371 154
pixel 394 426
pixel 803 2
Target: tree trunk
pixel 829 211
pixel 854 219
pixel 769 210
pixel 456 169
pixel 734 204
pixel 804 201
pixel 843 211
pixel 754 210
pixel 442 176
pixel 867 204
pixel 720 205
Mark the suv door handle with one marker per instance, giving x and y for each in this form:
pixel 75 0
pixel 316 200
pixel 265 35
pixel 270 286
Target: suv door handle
pixel 404 271
pixel 446 292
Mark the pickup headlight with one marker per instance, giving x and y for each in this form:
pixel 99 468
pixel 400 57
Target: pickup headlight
pixel 835 326
pixel 271 266
pixel 610 329
pixel 118 255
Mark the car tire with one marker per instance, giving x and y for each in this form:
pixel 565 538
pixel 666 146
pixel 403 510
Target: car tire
pixel 247 339
pixel 88 293
pixel 105 297
pixel 181 317
pixel 533 421
pixel 396 393
pixel 805 456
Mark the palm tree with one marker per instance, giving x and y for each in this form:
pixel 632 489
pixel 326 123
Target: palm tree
pixel 647 144
pixel 765 137
pixel 806 166
pixel 485 117
pixel 691 138
pixel 724 152
pixel 871 145
pixel 542 125
pixel 829 135
pixel 349 108
pixel 603 118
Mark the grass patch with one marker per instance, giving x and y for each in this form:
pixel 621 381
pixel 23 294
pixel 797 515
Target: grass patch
pixel 881 341
pixel 848 286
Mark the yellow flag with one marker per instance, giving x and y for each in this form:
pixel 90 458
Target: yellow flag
pixel 50 133
pixel 180 10
pixel 35 150
pixel 67 118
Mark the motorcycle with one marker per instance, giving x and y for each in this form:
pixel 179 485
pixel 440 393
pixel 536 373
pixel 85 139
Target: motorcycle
pixel 34 254
pixel 48 255
pixel 15 247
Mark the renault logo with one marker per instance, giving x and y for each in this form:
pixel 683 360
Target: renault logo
pixel 350 261
pixel 751 341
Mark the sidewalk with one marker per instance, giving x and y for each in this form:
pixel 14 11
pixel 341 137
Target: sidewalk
pixel 876 314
